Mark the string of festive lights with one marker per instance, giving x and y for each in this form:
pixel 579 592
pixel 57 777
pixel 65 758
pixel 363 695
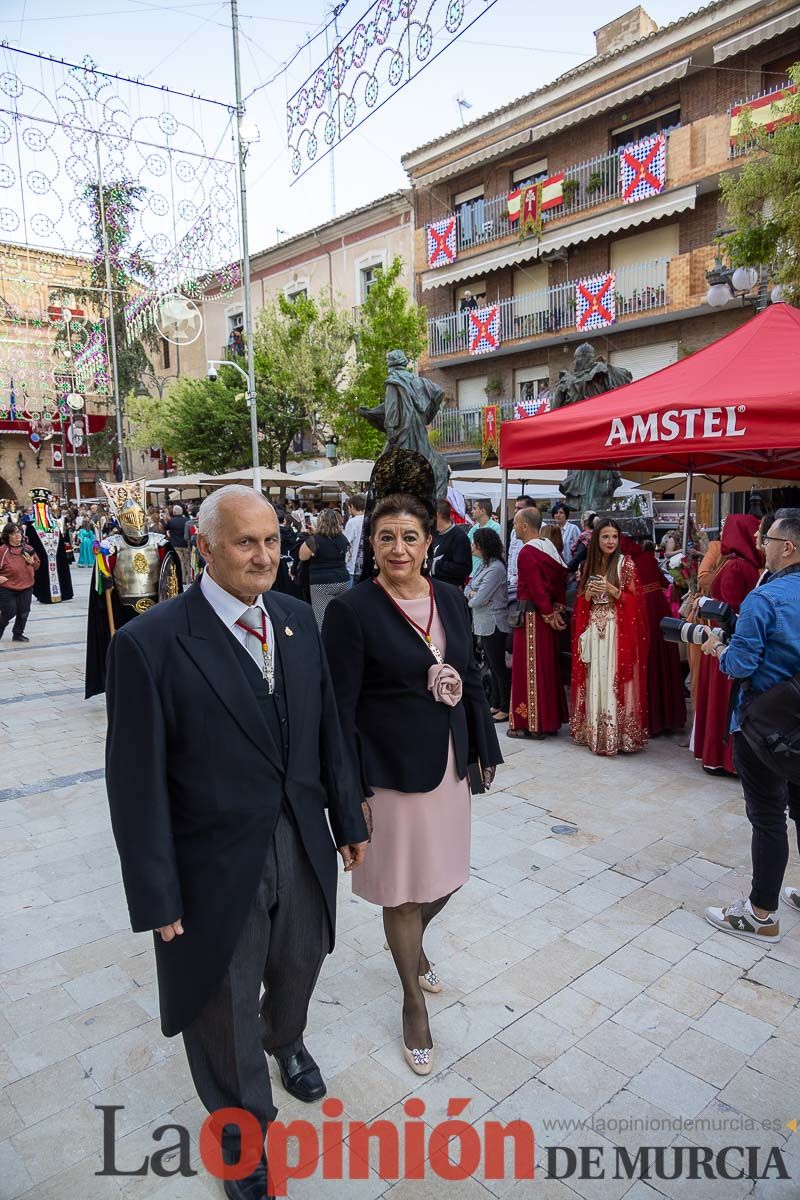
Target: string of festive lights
pixel 393 42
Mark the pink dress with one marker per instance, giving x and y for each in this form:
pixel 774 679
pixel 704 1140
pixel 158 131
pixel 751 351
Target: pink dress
pixel 420 840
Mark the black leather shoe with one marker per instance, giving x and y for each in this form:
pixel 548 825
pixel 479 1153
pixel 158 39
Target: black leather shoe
pixel 252 1187
pixel 301 1076
pixel 20 638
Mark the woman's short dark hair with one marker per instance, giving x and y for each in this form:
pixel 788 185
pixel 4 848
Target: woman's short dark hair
pixel 7 532
pixel 560 506
pixel 401 504
pixel 489 544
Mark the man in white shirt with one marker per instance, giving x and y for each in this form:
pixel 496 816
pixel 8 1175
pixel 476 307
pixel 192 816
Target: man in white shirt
pixel 352 531
pixel 569 531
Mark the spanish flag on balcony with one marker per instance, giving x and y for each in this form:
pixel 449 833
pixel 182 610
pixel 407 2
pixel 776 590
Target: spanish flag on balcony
pixel 529 202
pixel 764 114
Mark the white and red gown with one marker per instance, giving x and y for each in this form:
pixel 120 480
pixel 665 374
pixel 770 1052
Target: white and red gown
pixel 538 703
pixel 609 692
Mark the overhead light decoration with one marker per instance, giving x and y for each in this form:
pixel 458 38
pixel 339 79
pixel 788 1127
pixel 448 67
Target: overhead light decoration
pixel 389 46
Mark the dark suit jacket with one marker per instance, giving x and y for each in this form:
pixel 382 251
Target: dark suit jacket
pixel 399 735
pixel 195 781
pixel 452 555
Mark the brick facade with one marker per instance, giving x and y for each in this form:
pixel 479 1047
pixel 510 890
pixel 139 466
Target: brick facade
pixel 697 155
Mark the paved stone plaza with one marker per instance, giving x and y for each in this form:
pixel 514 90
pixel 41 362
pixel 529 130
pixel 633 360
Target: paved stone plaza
pixel 580 980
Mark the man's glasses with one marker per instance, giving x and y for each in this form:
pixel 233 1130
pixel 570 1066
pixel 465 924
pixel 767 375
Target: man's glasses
pixel 766 537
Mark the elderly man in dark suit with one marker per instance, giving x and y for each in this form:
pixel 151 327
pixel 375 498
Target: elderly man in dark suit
pixel 224 757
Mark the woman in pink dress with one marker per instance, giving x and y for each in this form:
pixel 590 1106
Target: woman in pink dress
pixel 416 718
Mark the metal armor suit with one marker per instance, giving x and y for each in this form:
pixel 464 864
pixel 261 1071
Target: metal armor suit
pixel 145 568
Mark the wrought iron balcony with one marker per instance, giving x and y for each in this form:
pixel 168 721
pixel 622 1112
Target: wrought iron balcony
pixel 586 184
pixel 744 144
pixel 460 428
pixel 641 287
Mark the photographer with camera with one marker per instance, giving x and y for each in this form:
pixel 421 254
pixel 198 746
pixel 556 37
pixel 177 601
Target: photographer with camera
pixel 764 655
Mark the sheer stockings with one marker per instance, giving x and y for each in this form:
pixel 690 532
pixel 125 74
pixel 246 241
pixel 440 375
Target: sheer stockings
pixel 405 927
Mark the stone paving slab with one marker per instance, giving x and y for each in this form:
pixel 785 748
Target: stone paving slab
pixel 581 983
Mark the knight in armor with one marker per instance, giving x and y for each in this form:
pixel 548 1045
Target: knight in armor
pixel 52 582
pixel 134 569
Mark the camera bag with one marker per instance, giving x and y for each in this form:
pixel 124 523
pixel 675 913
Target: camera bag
pixel 771 723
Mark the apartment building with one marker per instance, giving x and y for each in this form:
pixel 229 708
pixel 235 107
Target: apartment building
pixel 340 258
pixel 587 210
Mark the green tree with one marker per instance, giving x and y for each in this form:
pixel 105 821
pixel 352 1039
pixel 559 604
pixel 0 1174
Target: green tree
pixel 204 424
pixel 388 321
pixel 763 200
pixel 301 349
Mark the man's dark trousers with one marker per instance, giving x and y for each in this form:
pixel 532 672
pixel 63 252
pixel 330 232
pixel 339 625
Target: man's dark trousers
pixel 767 796
pixel 282 946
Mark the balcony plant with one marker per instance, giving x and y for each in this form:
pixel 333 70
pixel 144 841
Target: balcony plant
pixel 596 184
pixel 494 387
pixel 570 189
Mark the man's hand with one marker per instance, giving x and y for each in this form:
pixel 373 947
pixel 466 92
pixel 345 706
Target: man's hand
pixel 711 643
pixel 168 932
pixel 488 776
pixel 353 855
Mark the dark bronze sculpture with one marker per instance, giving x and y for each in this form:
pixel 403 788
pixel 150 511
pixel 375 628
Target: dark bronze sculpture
pixel 590 376
pixel 410 405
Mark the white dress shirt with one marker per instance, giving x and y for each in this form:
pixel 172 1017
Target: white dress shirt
pixel 352 531
pixel 230 610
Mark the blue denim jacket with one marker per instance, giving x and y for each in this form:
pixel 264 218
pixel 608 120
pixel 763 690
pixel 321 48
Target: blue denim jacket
pixel 766 645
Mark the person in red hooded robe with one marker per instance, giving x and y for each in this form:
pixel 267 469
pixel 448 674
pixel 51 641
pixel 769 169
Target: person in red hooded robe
pixel 736 576
pixel 538 701
pixel 666 698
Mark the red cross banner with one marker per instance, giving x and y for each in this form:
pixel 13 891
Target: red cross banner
pixel 643 168
pixel 490 432
pixel 533 406
pixel 441 237
pixel 595 302
pixel 484 330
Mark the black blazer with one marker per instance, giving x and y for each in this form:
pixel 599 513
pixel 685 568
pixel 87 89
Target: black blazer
pixel 398 733
pixel 195 781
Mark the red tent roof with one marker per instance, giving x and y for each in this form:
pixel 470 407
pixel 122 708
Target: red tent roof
pixel 733 406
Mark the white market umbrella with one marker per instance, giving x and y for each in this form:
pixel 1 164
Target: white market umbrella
pixel 174 482
pixel 269 478
pixel 358 470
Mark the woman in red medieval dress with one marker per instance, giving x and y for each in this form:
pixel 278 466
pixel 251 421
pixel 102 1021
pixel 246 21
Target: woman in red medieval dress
pixel 666 696
pixel 538 702
pixel 736 576
pixel 609 658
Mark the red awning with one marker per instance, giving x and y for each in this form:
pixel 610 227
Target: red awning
pixel 732 407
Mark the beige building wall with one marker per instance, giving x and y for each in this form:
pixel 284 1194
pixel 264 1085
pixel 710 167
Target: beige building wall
pixel 338 258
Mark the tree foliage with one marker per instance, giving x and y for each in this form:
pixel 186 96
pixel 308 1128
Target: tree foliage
pixel 300 348
pixel 389 320
pixel 763 200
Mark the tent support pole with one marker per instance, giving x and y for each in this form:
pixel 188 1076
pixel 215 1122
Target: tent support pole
pixel 687 509
pixel 503 503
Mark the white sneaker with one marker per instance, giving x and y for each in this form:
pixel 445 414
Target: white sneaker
pixel 791 898
pixel 740 920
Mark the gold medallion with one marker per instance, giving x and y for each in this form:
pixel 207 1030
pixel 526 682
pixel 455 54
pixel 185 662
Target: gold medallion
pixel 140 563
pixel 142 605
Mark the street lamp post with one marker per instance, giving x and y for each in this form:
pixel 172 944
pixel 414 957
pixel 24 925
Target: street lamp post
pixel 212 365
pixel 241 155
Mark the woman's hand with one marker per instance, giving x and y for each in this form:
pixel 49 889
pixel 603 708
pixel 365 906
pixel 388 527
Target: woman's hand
pixel 488 776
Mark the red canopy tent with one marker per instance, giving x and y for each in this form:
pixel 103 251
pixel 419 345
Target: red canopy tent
pixel 732 407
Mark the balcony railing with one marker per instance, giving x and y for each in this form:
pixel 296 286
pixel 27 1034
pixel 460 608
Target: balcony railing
pixel 462 427
pixel 641 287
pixel 741 146
pixel 586 184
